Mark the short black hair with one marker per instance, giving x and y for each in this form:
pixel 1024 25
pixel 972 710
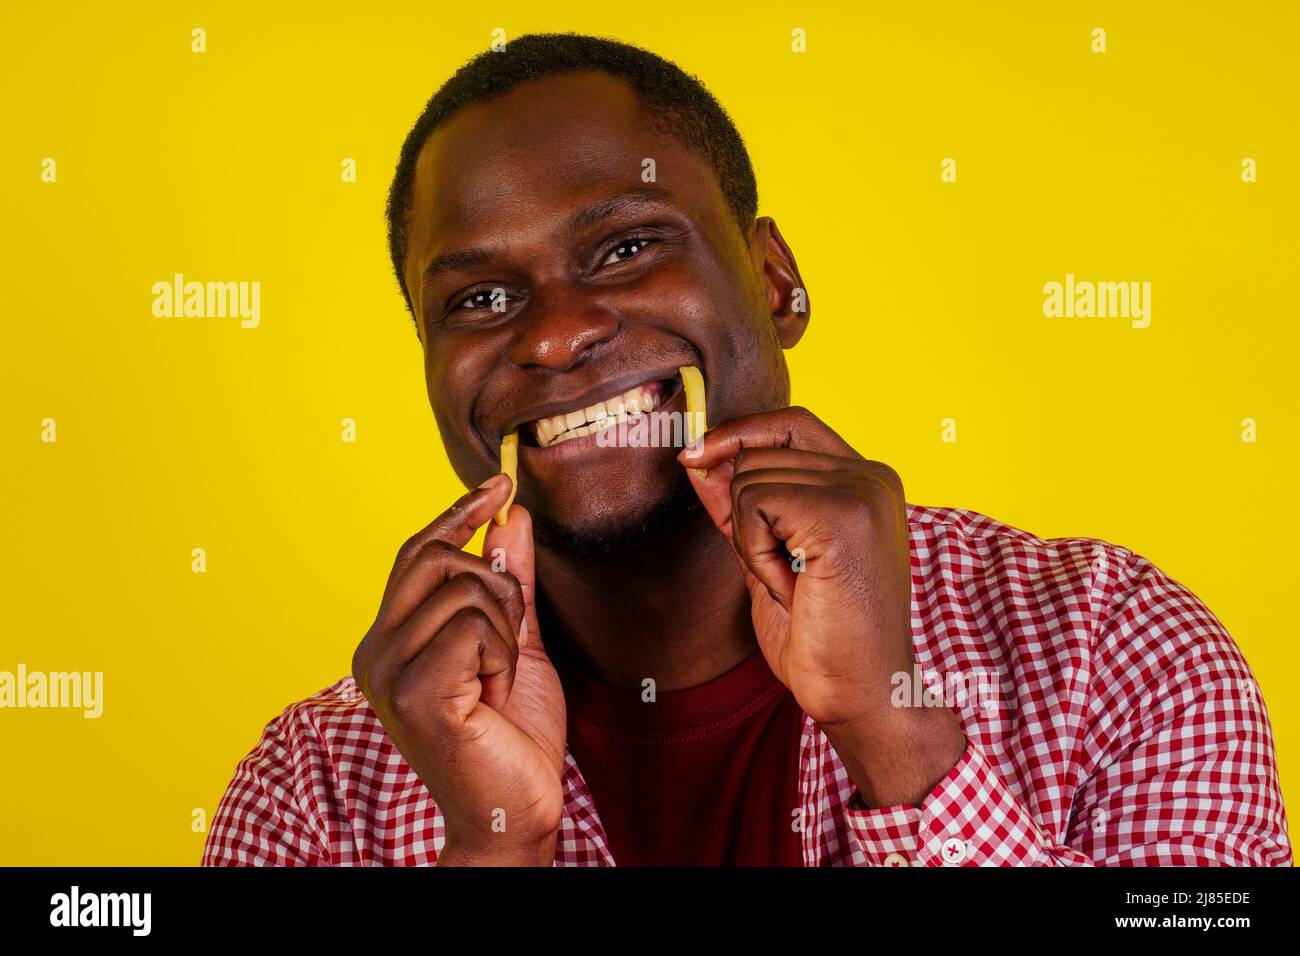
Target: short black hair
pixel 676 100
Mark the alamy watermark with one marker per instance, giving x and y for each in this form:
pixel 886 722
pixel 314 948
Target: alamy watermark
pixel 1075 299
pixel 75 908
pixel 653 430
pixel 72 690
pixel 961 689
pixel 180 298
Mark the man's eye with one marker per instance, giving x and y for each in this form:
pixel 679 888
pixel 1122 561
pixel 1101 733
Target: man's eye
pixel 625 250
pixel 484 299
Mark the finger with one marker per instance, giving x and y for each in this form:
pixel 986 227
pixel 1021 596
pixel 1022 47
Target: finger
pixel 773 528
pixel 792 427
pixel 435 564
pixel 457 525
pixel 389 654
pixel 795 476
pixel 821 522
pixel 510 546
pixel 468 663
pixel 718 488
pixel 749 459
pixel 757 509
pixel 462 591
pixel 713 488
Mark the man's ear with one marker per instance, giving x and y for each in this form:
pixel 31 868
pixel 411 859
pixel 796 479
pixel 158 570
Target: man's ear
pixel 787 298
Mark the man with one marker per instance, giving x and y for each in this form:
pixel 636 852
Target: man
pixel 751 651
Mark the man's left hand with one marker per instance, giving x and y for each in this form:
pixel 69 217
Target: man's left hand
pixel 822 538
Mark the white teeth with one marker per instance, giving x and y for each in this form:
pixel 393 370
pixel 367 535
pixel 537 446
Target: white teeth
pixel 589 420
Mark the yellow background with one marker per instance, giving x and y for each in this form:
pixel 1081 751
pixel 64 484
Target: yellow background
pixel 927 303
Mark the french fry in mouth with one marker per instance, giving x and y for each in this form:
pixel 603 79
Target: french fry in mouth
pixel 509 465
pixel 696 416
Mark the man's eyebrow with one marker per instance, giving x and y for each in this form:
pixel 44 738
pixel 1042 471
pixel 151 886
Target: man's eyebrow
pixel 453 261
pixel 582 219
pixel 631 199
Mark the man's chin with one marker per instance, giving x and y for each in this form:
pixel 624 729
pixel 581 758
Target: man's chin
pixel 627 527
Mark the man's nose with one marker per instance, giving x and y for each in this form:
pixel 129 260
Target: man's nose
pixel 559 325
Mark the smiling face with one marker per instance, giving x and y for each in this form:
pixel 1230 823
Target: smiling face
pixel 550 282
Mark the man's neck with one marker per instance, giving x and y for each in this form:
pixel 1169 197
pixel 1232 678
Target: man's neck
pixel 676 612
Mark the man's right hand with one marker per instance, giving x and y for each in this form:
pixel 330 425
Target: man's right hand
pixel 455 669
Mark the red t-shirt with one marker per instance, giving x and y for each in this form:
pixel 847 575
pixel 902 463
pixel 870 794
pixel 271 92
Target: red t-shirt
pixel 706 776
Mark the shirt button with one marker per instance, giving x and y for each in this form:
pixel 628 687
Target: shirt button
pixel 895 859
pixel 954 851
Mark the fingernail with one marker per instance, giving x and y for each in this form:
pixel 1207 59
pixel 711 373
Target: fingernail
pixel 491 481
pixel 700 472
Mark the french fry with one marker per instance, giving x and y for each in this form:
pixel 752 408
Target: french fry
pixel 693 383
pixel 696 416
pixel 510 465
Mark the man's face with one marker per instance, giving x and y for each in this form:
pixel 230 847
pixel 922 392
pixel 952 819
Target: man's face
pixel 609 284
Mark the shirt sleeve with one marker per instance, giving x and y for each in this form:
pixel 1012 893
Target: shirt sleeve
pixel 969 819
pixel 268 815
pixel 1173 761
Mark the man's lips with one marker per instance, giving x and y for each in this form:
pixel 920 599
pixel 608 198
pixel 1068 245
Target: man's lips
pixel 570 419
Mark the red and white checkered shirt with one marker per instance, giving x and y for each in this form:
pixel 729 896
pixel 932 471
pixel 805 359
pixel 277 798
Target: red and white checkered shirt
pixel 1110 719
